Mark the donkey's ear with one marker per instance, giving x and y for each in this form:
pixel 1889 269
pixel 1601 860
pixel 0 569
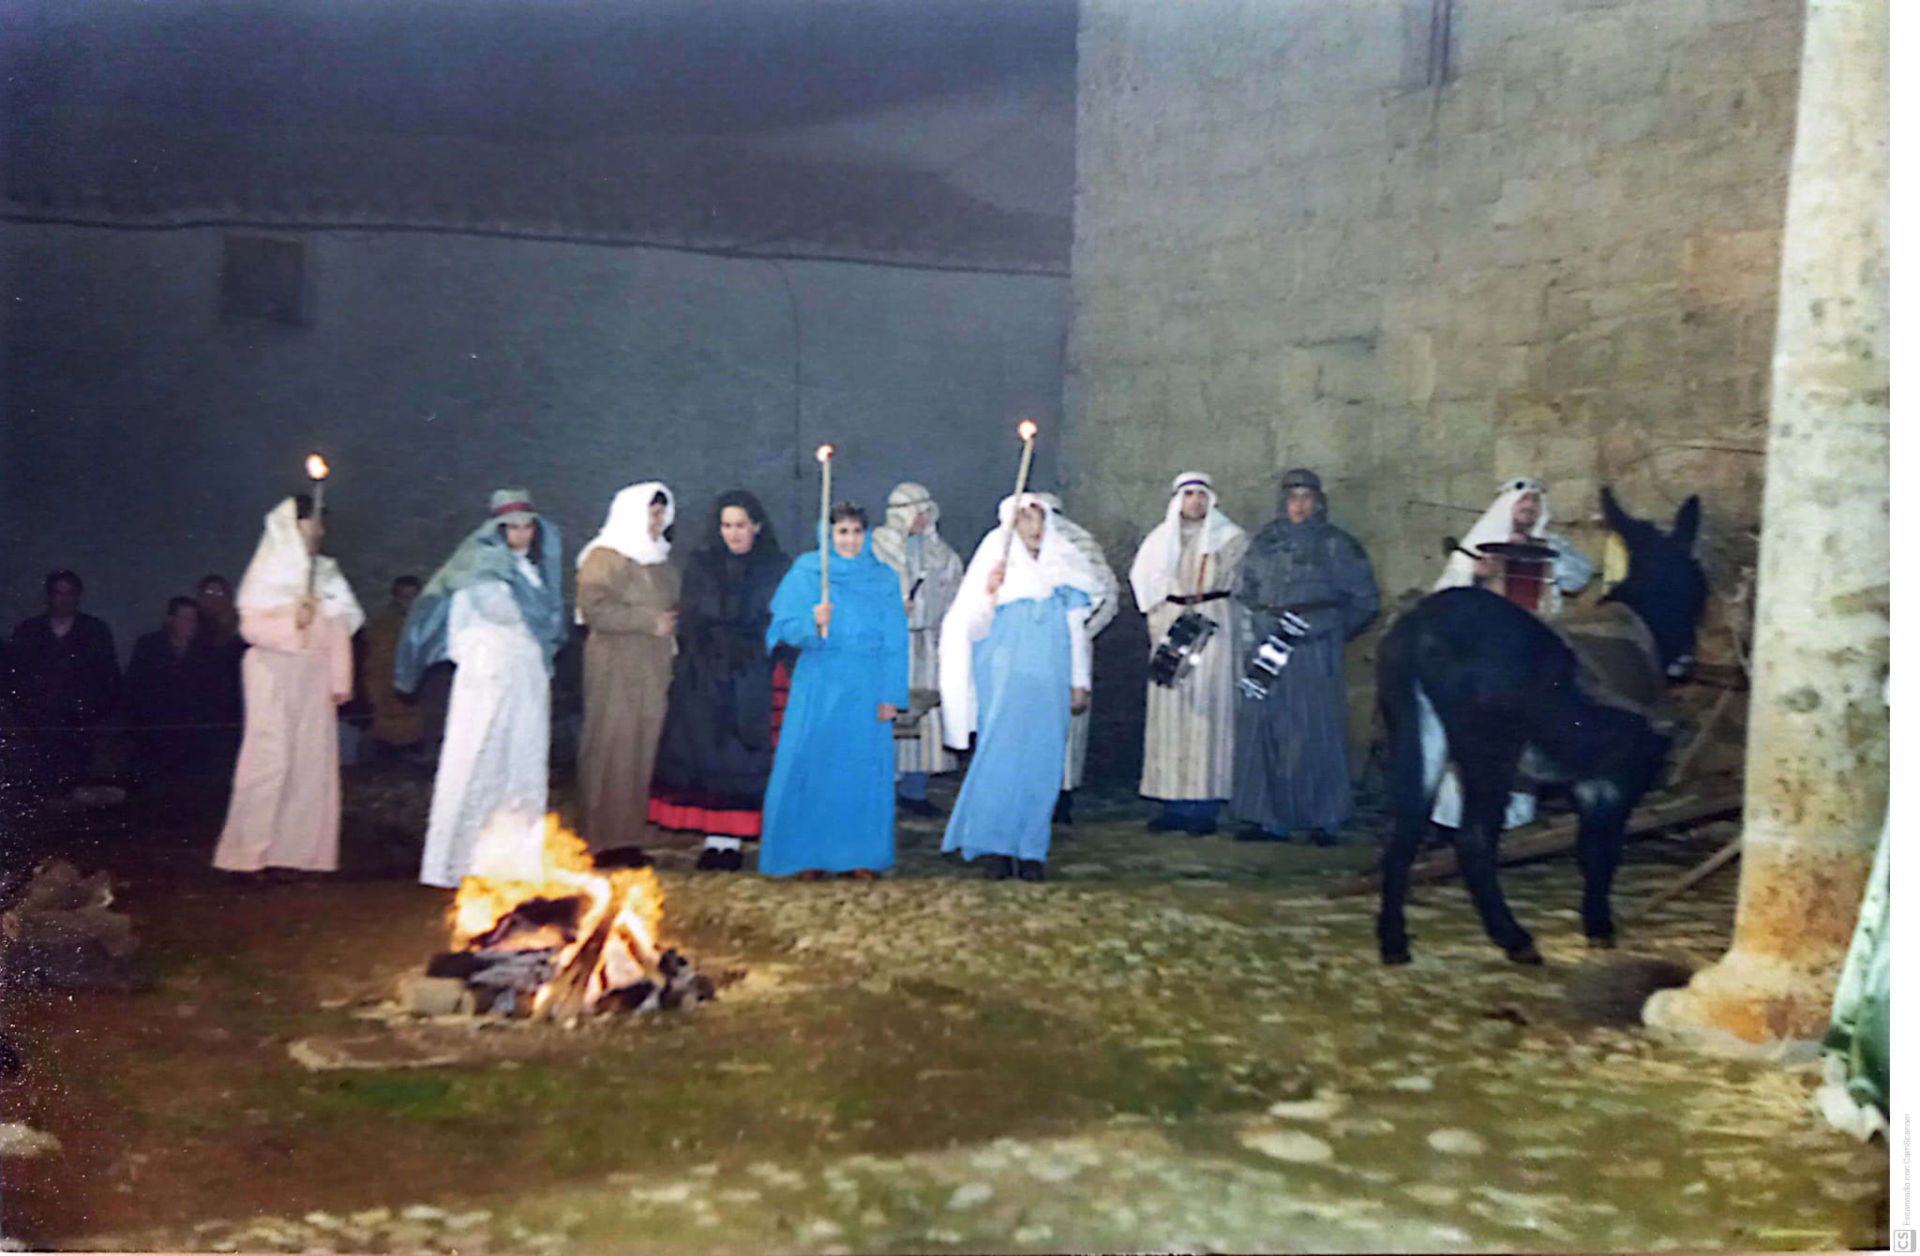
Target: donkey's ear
pixel 1686 524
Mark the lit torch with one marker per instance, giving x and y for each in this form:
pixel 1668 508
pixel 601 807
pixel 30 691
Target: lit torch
pixel 1028 429
pixel 825 455
pixel 317 471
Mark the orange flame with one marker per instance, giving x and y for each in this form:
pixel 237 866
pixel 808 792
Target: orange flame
pixel 317 468
pixel 564 869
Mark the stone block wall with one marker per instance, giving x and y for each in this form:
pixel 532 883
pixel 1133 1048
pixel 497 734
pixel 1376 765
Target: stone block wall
pixel 1292 247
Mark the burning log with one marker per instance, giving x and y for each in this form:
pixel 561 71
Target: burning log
pixel 556 939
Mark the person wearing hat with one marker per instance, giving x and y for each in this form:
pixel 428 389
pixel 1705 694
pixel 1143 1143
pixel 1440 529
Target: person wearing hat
pixel 1290 770
pixel 495 610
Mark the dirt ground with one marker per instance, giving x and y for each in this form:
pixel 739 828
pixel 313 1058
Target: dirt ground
pixel 1175 1043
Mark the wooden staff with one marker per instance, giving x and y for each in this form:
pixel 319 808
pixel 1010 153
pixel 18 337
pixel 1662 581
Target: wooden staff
pixel 1028 429
pixel 825 455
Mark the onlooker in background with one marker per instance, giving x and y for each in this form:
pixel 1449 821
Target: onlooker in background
pixel 220 633
pixel 399 726
pixel 173 685
pixel 64 679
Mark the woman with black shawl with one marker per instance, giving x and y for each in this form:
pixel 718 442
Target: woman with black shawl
pixel 723 710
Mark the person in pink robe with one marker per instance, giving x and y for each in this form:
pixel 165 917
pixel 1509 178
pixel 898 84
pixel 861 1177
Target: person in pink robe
pixel 299 615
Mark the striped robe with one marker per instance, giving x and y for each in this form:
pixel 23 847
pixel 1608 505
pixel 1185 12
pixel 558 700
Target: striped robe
pixel 1189 739
pixel 1106 604
pixel 926 751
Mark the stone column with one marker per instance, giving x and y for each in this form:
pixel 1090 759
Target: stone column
pixel 1817 763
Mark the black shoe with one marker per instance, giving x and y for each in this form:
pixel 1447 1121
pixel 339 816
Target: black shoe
pixel 1063 809
pixel 996 867
pixel 918 807
pixel 622 857
pixel 1203 828
pixel 1033 870
pixel 731 860
pixel 1254 833
pixel 1163 823
pixel 712 859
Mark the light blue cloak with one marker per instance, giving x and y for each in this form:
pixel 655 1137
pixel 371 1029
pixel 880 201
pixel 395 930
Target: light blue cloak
pixel 1023 687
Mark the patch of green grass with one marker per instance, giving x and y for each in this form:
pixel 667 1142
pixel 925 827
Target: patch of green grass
pixel 399 1094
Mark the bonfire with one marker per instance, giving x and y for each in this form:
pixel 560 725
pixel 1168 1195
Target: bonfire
pixel 537 932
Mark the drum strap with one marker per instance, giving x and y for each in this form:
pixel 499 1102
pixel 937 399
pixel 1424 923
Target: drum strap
pixel 1195 599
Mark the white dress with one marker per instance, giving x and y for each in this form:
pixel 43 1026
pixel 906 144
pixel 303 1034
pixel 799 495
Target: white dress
pixel 494 759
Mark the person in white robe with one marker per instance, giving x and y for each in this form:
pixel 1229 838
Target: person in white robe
pixel 1187 564
pixel 298 614
pixel 1106 605
pixel 495 610
pixel 929 571
pixel 1015 662
pixel 1518 515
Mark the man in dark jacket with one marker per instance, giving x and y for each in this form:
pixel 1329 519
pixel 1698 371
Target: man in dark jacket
pixel 174 693
pixel 64 679
pixel 1290 771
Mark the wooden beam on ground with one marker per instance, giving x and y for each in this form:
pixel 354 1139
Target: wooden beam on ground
pixel 1692 877
pixel 1718 800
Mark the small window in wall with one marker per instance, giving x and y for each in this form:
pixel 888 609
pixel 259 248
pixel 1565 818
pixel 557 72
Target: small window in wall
pixel 264 277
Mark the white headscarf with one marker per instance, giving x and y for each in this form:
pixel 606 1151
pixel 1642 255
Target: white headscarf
pixel 1058 564
pixel 628 530
pixel 1495 526
pixel 277 576
pixel 1157 561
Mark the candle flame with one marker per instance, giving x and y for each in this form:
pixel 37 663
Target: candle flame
pixel 317 468
pixel 823 453
pixel 1028 429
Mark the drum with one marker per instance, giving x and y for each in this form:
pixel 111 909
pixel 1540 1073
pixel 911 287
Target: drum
pixel 1520 572
pixel 1173 657
pixel 1270 654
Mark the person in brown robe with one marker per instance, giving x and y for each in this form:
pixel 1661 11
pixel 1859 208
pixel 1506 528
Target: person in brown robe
pixel 628 596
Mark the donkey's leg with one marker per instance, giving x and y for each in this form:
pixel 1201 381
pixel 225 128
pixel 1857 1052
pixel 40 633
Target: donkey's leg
pixel 1603 822
pixel 1486 778
pixel 1418 749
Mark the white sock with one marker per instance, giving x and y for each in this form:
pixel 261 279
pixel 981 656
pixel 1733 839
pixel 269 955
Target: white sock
pixel 716 842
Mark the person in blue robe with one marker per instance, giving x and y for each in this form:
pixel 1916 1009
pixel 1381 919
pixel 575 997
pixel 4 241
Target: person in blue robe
pixel 1015 662
pixel 830 799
